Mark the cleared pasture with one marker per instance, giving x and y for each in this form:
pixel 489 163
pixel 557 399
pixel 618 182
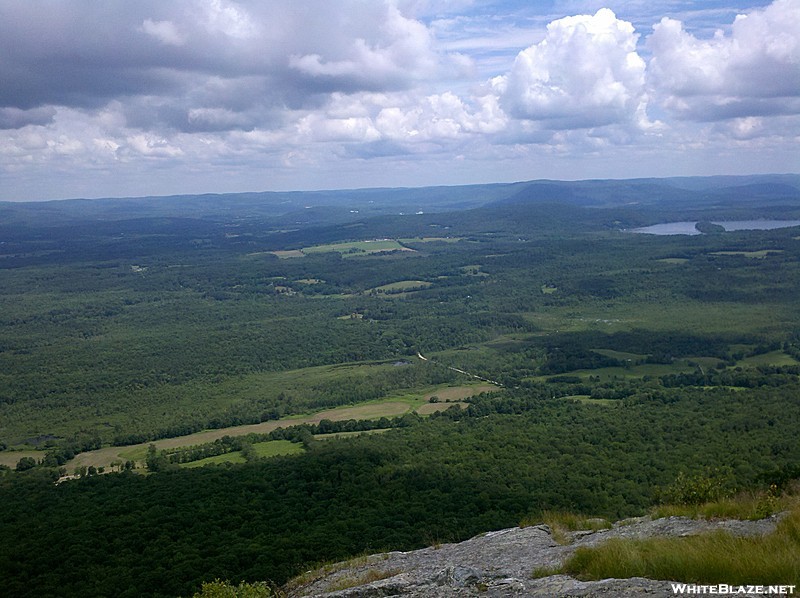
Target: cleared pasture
pixel 687 315
pixel 288 254
pixel 402 286
pixel 276 448
pixel 637 371
pixel 357 248
pixel 777 358
pixel 459 393
pixel 11 458
pixel 431 240
pixel 621 355
pixel 105 456
pixel 759 254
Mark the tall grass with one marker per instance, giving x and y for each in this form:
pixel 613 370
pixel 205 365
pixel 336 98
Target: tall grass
pixel 561 522
pixel 360 579
pixel 709 558
pixel 749 506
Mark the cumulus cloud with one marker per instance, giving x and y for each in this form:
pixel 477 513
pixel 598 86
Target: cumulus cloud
pixel 258 88
pixel 397 50
pixel 585 73
pixel 753 71
pixel 281 53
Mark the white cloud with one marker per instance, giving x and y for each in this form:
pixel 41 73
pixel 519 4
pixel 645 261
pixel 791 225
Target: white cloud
pixel 287 92
pixel 163 31
pixel 400 52
pixel 151 145
pixel 754 71
pixel 222 16
pixel 316 127
pixel 585 73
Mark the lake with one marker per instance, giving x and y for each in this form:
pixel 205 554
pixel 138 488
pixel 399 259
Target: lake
pixel 687 228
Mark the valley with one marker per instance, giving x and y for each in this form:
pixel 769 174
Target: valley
pixel 237 394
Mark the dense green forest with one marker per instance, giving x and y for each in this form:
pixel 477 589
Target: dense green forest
pixel 617 361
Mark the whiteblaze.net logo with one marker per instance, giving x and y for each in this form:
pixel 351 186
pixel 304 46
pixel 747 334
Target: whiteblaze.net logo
pixel 724 589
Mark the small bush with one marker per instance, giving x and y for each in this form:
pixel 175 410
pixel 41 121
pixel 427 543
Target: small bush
pixel 697 489
pixel 224 589
pixel 746 506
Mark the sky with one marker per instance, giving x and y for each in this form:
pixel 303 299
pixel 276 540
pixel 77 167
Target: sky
pixel 120 98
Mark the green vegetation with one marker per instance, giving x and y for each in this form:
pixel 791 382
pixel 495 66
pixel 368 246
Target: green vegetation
pixel 747 505
pixel 218 460
pixel 704 559
pixel 224 589
pixel 757 254
pixel 709 228
pixel 700 488
pixel 403 286
pixel 358 248
pixel 446 477
pixel 276 448
pixel 561 522
pixel 597 367
pixel 362 579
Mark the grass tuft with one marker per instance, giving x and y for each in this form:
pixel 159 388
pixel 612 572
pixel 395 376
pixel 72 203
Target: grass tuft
pixel 712 558
pixel 353 581
pixel 561 522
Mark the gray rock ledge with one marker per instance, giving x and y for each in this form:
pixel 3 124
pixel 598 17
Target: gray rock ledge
pixel 501 563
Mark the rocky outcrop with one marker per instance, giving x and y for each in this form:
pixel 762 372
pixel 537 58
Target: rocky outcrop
pixel 502 563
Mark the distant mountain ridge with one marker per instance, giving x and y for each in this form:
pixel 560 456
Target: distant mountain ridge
pixel 355 204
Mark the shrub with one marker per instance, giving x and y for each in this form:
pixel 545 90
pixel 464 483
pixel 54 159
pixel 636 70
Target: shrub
pixel 224 589
pixel 710 486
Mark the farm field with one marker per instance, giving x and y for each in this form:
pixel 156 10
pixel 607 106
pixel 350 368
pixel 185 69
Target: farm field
pixel 105 456
pixel 369 411
pixel 263 450
pixel 402 285
pixel 358 248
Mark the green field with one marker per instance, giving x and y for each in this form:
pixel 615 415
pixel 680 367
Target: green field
pixel 105 456
pixel 288 254
pixel 758 254
pixel 357 248
pixel 432 240
pixel 264 450
pixel 776 358
pixel 403 286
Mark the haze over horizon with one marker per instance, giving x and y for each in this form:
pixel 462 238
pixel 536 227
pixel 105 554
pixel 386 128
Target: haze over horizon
pixel 228 96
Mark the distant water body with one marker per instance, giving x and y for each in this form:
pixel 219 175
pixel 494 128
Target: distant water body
pixel 687 228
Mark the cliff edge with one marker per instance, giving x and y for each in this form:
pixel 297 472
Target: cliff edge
pixel 502 563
